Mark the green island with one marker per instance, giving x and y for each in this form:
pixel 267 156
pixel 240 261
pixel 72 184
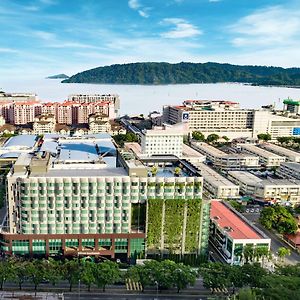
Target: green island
pixel 184 73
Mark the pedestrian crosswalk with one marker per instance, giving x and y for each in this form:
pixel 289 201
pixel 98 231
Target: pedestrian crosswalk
pixel 219 290
pixel 132 285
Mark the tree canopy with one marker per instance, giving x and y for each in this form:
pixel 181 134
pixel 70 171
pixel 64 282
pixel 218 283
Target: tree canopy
pixel 278 218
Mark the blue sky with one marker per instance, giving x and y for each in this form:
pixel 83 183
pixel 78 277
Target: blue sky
pixel 44 37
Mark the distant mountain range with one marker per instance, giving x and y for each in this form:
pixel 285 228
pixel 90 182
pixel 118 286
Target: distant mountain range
pixel 183 73
pixel 58 76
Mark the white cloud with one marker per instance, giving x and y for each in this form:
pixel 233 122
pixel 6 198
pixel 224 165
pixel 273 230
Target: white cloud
pixel 212 1
pixel 134 4
pixel 142 10
pixel 8 50
pixel 143 14
pixel 181 29
pixel 272 26
pixel 32 8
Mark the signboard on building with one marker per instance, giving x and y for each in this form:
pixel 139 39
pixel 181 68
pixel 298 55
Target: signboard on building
pixel 185 117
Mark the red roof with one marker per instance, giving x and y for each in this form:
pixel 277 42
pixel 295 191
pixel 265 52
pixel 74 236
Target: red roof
pixel 294 238
pixel 225 217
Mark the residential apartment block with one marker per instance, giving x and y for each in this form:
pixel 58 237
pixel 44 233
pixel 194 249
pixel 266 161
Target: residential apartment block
pixel 97 98
pixel 44 124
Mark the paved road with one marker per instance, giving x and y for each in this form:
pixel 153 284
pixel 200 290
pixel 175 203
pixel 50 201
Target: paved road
pixel 276 242
pixel 94 296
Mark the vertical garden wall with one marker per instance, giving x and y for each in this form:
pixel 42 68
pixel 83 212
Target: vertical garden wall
pixel 173 225
pixel 179 220
pixel 192 225
pixel 154 225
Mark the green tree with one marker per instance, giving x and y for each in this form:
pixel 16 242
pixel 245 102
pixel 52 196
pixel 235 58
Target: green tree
pixel 106 273
pixel 198 136
pixel 88 274
pixel 19 272
pixel 283 252
pixel 183 276
pixel 279 218
pixel 36 272
pixel 6 271
pixel 212 138
pixel 264 137
pixel 71 271
pixel 246 294
pixel 284 139
pixel 53 271
pixel 248 253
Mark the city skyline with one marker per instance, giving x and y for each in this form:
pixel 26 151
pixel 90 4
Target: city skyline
pixel 45 37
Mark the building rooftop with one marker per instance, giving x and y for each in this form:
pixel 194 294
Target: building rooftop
pixel 245 177
pixel 102 172
pixel 260 152
pixel 213 177
pixel 292 165
pixel 292 155
pixel 231 222
pixel 21 142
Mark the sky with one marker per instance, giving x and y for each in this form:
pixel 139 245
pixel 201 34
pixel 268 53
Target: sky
pixel 47 37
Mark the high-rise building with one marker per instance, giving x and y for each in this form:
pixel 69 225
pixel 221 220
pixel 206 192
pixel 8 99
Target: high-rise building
pixel 79 196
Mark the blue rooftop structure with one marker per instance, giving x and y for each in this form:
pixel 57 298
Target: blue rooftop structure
pixel 21 142
pixel 10 155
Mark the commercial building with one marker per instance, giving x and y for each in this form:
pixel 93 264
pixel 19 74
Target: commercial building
pixel 289 170
pixel 266 158
pixel 225 118
pixel 164 140
pixel 217 185
pixel 224 160
pixel 79 196
pixel 230 232
pixel 289 154
pixel 270 189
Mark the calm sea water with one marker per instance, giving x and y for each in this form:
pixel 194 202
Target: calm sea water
pixel 143 99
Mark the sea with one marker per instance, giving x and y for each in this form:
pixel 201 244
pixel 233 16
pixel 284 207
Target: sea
pixel 142 99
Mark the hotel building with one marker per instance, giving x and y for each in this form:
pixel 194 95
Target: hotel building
pixel 225 118
pixel 76 197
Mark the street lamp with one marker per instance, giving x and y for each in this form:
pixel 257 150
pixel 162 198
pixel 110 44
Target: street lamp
pixel 156 283
pixel 79 289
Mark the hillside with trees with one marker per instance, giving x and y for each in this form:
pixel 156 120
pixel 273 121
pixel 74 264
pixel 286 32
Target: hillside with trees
pixel 183 73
